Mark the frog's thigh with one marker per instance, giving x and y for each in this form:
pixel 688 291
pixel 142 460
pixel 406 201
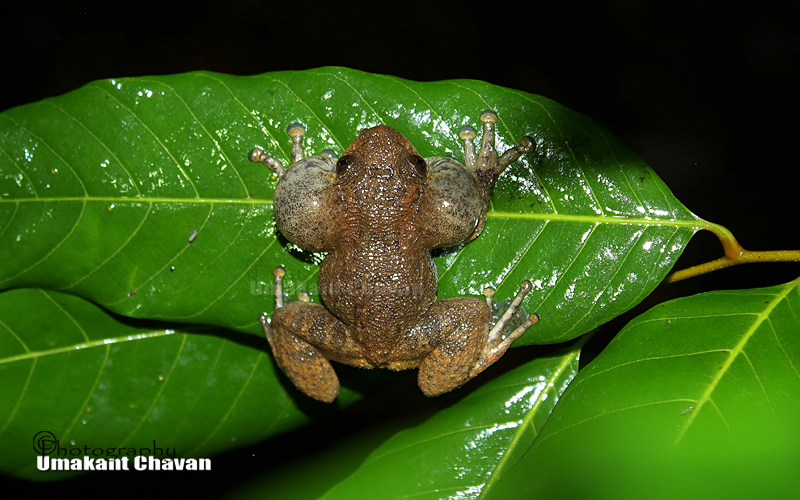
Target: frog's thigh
pixel 306 335
pixel 464 331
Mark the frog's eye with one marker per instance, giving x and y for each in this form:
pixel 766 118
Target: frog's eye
pixel 419 166
pixel 343 163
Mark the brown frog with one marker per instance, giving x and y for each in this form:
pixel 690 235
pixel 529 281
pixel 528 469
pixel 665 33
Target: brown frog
pixel 378 211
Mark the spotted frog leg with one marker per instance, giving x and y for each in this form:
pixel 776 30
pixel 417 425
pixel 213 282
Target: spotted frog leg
pixel 305 361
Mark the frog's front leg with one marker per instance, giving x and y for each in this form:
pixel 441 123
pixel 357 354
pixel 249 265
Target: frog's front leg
pixel 296 132
pixel 303 337
pixel 468 346
pixel 486 166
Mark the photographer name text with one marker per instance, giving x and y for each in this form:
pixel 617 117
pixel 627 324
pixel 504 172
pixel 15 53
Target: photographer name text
pixel 141 462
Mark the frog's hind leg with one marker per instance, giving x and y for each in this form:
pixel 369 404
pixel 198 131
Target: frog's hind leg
pixel 496 346
pixel 303 363
pixel 303 336
pixel 462 325
pixel 468 346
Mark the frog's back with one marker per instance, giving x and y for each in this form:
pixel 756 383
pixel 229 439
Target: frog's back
pixel 380 278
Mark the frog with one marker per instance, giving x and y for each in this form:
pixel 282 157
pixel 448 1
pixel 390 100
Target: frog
pixel 376 213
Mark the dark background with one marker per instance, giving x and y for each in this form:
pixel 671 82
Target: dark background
pixel 705 92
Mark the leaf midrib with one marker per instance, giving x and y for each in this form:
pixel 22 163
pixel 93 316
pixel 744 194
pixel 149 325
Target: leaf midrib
pixel 527 420
pixel 491 214
pixel 91 343
pixel 734 353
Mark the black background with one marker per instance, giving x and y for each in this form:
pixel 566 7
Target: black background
pixel 705 92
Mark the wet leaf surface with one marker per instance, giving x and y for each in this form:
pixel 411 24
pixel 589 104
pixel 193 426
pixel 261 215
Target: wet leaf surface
pixel 102 189
pixel 137 195
pixel 698 394
pixel 459 452
pixel 99 381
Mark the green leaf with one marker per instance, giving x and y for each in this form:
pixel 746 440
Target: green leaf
pixel 137 194
pixel 698 394
pixel 457 453
pixel 94 380
pixel 100 190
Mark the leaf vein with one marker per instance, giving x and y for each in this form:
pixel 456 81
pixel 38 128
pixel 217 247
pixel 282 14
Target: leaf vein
pixel 573 261
pixel 251 113
pixel 21 171
pixel 91 392
pixel 618 410
pixel 233 404
pixel 117 251
pixel 56 247
pixel 301 101
pixel 208 134
pixel 143 124
pixel 130 177
pixel 10 220
pixel 524 253
pixel 360 96
pixel 763 389
pixel 92 343
pixel 527 421
pixel 20 398
pixel 234 283
pixel 161 388
pixel 66 313
pixel 734 354
pixel 611 279
pixel 51 150
pixel 654 358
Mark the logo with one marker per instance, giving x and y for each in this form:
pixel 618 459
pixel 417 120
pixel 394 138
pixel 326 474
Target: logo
pixel 44 443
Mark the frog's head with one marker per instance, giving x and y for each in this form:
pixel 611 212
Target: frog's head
pixel 381 154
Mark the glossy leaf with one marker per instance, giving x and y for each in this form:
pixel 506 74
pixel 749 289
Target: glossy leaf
pixel 698 394
pixel 457 453
pixel 94 380
pixel 137 194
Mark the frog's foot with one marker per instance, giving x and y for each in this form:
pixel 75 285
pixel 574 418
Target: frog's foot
pixel 304 363
pixel 296 132
pixel 486 166
pixel 279 272
pixel 488 292
pixel 496 346
pixel 460 327
pixel 486 163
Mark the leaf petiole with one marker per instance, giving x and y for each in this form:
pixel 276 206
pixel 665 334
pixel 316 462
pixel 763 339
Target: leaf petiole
pixel 735 254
